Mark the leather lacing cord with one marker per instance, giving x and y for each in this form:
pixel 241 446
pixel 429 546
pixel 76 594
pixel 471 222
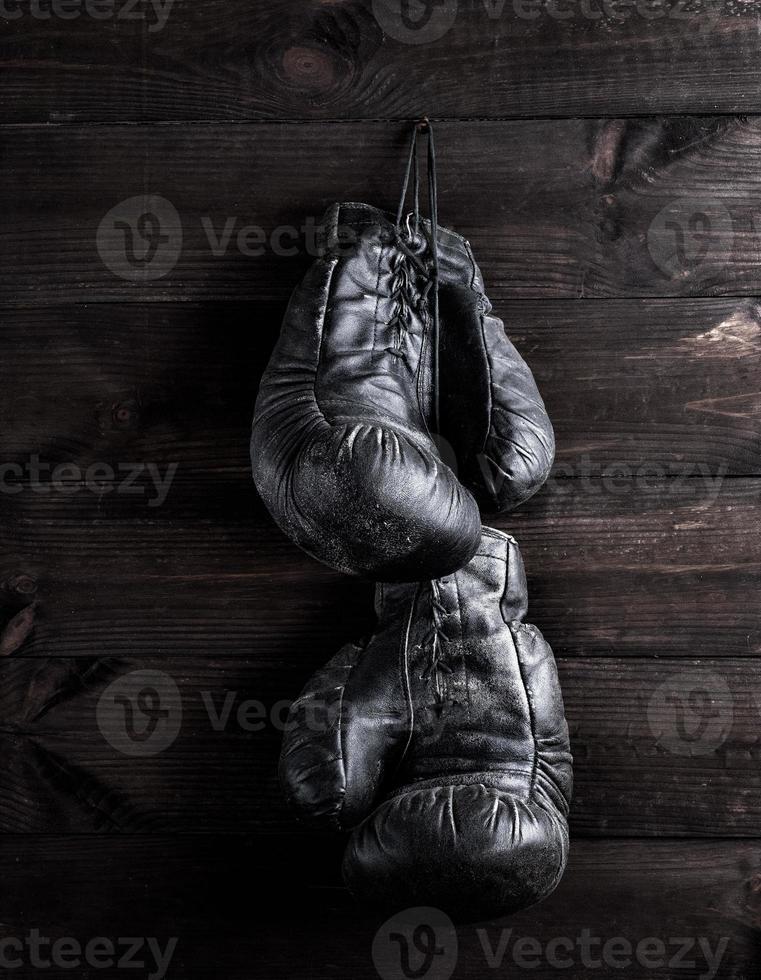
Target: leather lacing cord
pixel 436 640
pixel 403 283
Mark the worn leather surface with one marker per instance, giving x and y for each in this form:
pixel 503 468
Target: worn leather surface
pixel 442 743
pixel 343 447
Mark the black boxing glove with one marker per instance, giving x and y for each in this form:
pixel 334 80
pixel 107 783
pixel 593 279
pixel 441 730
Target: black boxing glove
pixel 491 411
pixel 442 742
pixel 344 446
pixel 341 449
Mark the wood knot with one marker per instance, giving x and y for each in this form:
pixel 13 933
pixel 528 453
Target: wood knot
pixel 124 415
pixel 310 68
pixel 22 585
pixel 15 633
pixel 607 152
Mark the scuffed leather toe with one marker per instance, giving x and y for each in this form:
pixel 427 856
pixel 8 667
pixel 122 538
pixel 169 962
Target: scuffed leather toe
pixel 471 850
pixel 373 501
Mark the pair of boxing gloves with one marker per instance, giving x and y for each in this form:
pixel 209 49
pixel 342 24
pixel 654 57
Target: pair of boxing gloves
pixel 441 743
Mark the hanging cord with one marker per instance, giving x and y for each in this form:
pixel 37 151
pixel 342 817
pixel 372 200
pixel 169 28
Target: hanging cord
pixel 424 128
pixel 412 161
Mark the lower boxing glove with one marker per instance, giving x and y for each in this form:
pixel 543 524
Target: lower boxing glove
pixel 442 744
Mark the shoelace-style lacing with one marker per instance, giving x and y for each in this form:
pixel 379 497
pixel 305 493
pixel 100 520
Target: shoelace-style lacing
pixel 436 641
pixel 429 286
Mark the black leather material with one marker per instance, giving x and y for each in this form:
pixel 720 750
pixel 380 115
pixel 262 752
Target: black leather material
pixel 344 449
pixel 491 409
pixel 442 742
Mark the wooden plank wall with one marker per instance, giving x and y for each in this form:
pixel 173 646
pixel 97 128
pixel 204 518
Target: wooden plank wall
pixel 604 158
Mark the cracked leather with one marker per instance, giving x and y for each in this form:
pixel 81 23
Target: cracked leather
pixel 442 744
pixel 344 449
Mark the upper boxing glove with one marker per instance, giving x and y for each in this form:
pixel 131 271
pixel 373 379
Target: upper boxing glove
pixel 341 449
pixel 390 377
pixel 442 741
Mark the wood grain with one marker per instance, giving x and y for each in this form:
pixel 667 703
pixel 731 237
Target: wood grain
pixel 554 208
pixel 232 60
pixel 191 889
pixel 663 747
pixel 606 171
pixel 624 569
pixel 654 388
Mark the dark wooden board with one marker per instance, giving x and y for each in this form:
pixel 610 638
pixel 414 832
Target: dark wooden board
pixel 643 551
pixel 554 208
pixel 661 747
pixel 249 907
pixel 666 568
pixel 663 387
pixel 234 60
